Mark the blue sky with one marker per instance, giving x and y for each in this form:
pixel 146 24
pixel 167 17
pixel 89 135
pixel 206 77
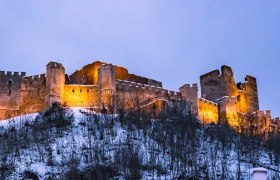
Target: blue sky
pixel 174 41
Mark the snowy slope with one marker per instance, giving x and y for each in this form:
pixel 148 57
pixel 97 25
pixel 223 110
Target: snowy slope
pixel 96 139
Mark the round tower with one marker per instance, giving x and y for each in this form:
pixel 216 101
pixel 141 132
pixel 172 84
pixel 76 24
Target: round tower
pixel 107 86
pixel 55 80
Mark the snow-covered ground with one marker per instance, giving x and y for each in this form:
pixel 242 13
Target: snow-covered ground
pixel 97 139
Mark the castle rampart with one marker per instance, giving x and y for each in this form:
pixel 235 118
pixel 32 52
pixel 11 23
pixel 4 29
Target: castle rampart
pixel 189 95
pixel 10 83
pixel 208 111
pixel 81 96
pixel 102 85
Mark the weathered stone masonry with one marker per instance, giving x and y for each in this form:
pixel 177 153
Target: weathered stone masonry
pixel 101 85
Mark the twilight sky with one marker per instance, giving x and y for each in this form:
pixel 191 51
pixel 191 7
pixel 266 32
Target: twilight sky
pixel 174 41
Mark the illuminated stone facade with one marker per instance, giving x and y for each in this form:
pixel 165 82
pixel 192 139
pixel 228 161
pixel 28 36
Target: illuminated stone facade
pixel 102 86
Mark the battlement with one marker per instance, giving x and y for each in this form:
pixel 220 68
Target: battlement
pixel 207 102
pixel 31 82
pixel 189 86
pixel 227 99
pixel 133 86
pixel 208 111
pixel 276 120
pixel 259 114
pixel 130 84
pixel 12 74
pixel 35 77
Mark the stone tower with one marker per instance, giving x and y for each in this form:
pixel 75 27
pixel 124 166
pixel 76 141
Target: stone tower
pixel 106 86
pixel 55 80
pixel 251 89
pixel 190 96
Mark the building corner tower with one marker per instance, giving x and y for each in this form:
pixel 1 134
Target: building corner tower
pixel 107 87
pixel 55 81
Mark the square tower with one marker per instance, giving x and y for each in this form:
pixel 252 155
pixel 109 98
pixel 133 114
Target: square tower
pixel 107 87
pixel 55 81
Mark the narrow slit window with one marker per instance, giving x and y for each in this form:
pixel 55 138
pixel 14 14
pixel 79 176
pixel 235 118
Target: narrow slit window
pixel 10 83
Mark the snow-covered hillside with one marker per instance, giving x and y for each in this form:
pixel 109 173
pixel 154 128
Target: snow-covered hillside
pixel 94 146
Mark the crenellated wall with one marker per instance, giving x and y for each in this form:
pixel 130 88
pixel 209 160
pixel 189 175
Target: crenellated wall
pixel 208 111
pixel 33 93
pixel 81 95
pixel 100 85
pixel 189 95
pixel 228 110
pixel 262 120
pixel 10 83
pixel 130 94
pixel 276 123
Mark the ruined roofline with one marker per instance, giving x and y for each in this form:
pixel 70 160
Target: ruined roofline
pixel 106 66
pixel 220 72
pixel 55 64
pixel 121 73
pixel 249 77
pixel 214 72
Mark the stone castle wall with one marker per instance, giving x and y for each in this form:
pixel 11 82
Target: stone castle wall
pixel 33 93
pixel 189 94
pixel 208 111
pixel 100 85
pixel 81 95
pixel 131 94
pixel 216 85
pixel 10 83
pixel 228 110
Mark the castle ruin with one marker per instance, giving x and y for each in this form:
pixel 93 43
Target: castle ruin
pixel 105 86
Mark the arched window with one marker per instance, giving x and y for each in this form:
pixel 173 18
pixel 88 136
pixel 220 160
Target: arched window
pixel 9 92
